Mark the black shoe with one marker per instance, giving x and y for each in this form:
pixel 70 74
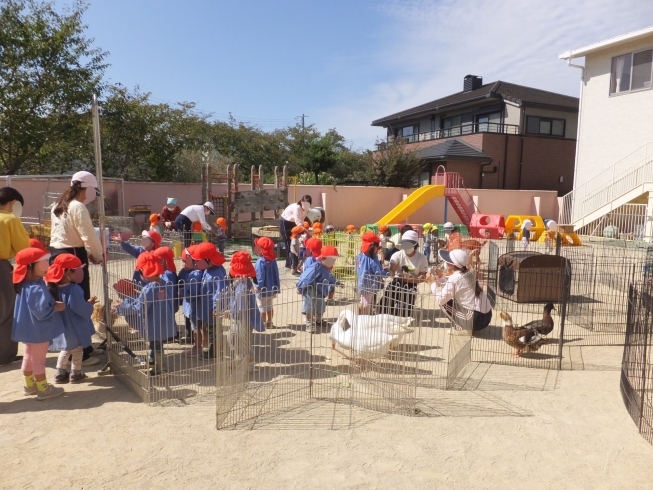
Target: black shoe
pixel 62 379
pixel 208 353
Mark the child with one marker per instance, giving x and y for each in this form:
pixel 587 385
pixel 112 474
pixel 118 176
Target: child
pixel 169 276
pixel 428 240
pixel 313 247
pixel 369 272
pixel 526 234
pixel 182 281
pixel 207 259
pixel 242 307
pixel 35 320
pixel 150 240
pixel 155 223
pixel 551 236
pixel 330 229
pixel 317 229
pixel 169 213
pixel 448 230
pixel 267 278
pixel 63 278
pixel 295 233
pixel 221 233
pixel 384 234
pixel 315 284
pixel 153 309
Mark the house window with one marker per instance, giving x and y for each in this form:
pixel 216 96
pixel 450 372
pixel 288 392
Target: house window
pixel 631 72
pixel 545 125
pixel 488 122
pixel 408 132
pixel 425 178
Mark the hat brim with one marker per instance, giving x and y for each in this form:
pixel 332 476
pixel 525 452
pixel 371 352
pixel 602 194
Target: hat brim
pixel 446 256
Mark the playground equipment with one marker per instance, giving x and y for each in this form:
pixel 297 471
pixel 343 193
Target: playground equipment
pixel 487 226
pixel 447 184
pixel 253 203
pixel 515 221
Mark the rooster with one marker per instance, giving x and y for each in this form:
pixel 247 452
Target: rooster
pixel 522 339
pixel 98 318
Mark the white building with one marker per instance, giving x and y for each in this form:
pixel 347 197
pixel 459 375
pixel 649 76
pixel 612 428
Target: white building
pixel 614 157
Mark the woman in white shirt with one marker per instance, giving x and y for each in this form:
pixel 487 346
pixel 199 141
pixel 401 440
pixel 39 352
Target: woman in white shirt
pixel 193 214
pixel 455 291
pixel 72 230
pixel 292 216
pixel 408 268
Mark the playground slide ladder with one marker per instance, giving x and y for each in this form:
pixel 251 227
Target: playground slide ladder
pixel 457 195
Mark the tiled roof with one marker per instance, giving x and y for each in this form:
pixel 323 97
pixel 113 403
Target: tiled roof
pixel 497 90
pixel 452 149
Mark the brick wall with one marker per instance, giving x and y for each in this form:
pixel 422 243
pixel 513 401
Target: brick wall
pixel 545 160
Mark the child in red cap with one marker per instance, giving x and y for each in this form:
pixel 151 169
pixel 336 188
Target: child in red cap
pixel 183 279
pixel 153 311
pixel 239 298
pixel 221 233
pixel 295 233
pixel 267 278
pixel 169 276
pixel 370 273
pixel 315 284
pixel 314 246
pixel 203 294
pixel 36 320
pixel 63 278
pixel 150 240
pixel 34 243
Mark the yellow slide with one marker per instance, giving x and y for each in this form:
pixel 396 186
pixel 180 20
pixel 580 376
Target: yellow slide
pixel 411 204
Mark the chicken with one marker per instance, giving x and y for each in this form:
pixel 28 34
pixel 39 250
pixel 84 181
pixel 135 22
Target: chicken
pixel 545 325
pixel 520 338
pixel 98 318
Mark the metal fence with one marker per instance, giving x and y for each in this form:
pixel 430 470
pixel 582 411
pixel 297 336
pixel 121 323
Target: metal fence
pixel 637 366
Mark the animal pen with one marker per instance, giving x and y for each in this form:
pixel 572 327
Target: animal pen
pixel 419 355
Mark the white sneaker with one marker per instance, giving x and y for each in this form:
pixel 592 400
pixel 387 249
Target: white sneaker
pixel 50 392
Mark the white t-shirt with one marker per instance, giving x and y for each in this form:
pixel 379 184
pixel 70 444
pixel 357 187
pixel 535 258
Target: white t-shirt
pixel 74 229
pixel 294 213
pixel 459 287
pixel 294 246
pixel 417 264
pixel 195 213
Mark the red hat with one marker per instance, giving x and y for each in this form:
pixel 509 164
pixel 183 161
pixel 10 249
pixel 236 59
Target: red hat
pixel 24 258
pixel 328 251
pixel 221 222
pixel 369 239
pixel 166 253
pixel 207 251
pixel 154 236
pixel 188 252
pixel 34 243
pixel 267 246
pixel 350 229
pixel 296 231
pixel 314 245
pixel 383 228
pixel 149 265
pixel 241 265
pixel 61 264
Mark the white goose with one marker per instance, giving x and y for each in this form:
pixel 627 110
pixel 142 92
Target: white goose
pixel 368 336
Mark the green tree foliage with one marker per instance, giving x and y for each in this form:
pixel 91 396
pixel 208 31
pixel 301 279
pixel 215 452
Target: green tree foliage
pixel 321 155
pixel 393 165
pixel 48 74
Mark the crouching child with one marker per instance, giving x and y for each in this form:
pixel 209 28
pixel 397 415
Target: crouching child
pixel 316 284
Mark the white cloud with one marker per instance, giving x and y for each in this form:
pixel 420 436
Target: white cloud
pixel 429 46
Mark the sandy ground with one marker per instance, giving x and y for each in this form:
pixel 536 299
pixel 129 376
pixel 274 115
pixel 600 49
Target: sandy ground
pixel 510 426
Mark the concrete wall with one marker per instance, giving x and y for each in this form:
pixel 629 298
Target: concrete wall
pixel 611 127
pixel 344 205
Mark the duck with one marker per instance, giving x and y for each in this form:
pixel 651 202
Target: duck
pixel 544 326
pixel 521 339
pixel 368 336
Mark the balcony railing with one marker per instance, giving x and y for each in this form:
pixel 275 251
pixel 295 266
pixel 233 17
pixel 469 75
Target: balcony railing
pixel 469 128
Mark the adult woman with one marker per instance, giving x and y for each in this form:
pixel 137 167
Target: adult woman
pixel 409 267
pixel 169 213
pixel 193 214
pixel 293 216
pixel 13 239
pixel 72 229
pixel 456 290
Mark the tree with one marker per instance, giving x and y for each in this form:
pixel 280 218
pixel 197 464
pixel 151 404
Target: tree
pixel 393 165
pixel 48 75
pixel 320 156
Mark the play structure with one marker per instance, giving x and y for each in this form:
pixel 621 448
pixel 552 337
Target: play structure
pixel 447 184
pixel 246 209
pixel 450 185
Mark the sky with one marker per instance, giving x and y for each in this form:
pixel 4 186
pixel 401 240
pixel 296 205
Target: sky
pixel 344 63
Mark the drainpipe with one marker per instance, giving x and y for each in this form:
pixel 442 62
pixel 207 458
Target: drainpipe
pixel 521 161
pixel 482 172
pixel 580 107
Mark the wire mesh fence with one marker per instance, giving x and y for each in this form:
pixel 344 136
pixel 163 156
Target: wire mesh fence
pixel 637 367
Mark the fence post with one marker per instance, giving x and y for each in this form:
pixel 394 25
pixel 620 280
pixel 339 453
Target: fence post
pixel 647 328
pixel 558 243
pixel 563 313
